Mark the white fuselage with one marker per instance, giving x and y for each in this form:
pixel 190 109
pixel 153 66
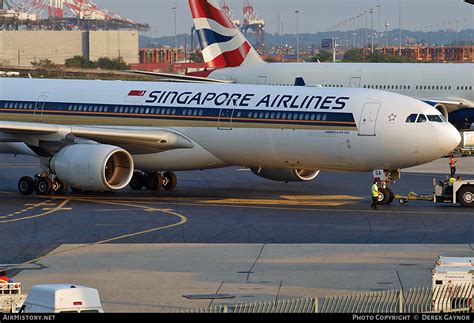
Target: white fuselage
pixel 338 129
pixel 450 83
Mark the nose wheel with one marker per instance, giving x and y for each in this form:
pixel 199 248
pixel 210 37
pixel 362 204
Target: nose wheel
pixel 384 178
pixel 386 196
pixel 153 181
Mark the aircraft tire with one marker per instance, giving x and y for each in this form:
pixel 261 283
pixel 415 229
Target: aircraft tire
pixel 169 181
pixel 43 186
pixel 26 185
pixel 59 188
pixel 385 196
pixel 138 181
pixel 153 181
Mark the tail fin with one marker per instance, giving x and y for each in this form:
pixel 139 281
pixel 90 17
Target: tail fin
pixel 222 43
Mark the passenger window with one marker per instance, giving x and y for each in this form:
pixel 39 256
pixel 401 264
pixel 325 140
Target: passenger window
pixel 411 118
pixel 421 118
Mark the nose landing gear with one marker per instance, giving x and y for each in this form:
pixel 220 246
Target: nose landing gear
pixel 385 178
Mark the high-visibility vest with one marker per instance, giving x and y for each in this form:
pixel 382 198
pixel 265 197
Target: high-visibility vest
pixel 375 190
pixel 451 181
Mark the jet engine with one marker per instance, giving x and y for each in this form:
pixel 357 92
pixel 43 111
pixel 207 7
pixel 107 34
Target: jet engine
pixel 93 167
pixel 441 108
pixel 286 174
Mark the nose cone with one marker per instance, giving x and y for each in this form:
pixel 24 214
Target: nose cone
pixel 448 139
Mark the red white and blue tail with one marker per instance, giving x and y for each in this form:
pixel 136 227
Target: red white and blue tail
pixel 222 43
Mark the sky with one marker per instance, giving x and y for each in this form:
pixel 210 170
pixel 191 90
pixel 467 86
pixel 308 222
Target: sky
pixel 314 15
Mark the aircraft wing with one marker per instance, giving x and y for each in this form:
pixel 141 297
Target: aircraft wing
pixel 135 141
pixel 166 77
pixel 450 104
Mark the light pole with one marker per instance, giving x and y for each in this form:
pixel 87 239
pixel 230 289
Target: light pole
pixel 297 37
pixel 175 9
pixel 372 30
pixel 400 27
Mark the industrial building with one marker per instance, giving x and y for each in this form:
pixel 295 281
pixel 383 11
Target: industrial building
pixel 21 48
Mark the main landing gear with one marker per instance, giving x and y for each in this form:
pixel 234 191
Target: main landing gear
pixel 153 181
pixel 43 184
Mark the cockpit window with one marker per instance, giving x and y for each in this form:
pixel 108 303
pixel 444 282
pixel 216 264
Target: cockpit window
pixel 421 118
pixel 411 118
pixel 435 118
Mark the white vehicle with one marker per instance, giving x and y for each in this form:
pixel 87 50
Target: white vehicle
pixel 104 135
pixel 62 299
pixel 455 261
pixel 466 147
pixel 461 192
pixel 11 297
pixel 448 87
pixel 452 287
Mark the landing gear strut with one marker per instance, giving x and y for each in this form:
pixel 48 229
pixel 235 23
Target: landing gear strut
pixel 153 181
pixel 43 184
pixel 385 178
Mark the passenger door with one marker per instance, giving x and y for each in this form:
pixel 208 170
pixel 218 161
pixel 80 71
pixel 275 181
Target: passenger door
pixel 225 119
pixel 355 82
pixel 262 80
pixel 39 107
pixel 368 119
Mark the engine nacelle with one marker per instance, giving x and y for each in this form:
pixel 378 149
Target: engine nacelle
pixel 444 111
pixel 286 174
pixel 93 167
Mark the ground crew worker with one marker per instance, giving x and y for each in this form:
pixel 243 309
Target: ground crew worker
pixel 449 189
pixel 375 195
pixel 4 279
pixel 451 181
pixel 452 165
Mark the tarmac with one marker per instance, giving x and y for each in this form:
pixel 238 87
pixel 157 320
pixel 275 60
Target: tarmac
pixel 230 232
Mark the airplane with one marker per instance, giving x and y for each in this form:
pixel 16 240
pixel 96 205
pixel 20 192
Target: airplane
pixel 230 57
pixel 105 135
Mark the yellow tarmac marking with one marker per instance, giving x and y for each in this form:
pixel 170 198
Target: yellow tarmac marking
pixel 182 220
pixel 29 208
pixel 58 208
pixel 291 200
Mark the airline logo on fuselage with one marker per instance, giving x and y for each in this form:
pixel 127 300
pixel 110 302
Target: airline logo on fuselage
pixel 248 100
pixel 136 93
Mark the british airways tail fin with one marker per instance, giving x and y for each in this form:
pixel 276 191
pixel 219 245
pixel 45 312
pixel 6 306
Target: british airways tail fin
pixel 222 43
